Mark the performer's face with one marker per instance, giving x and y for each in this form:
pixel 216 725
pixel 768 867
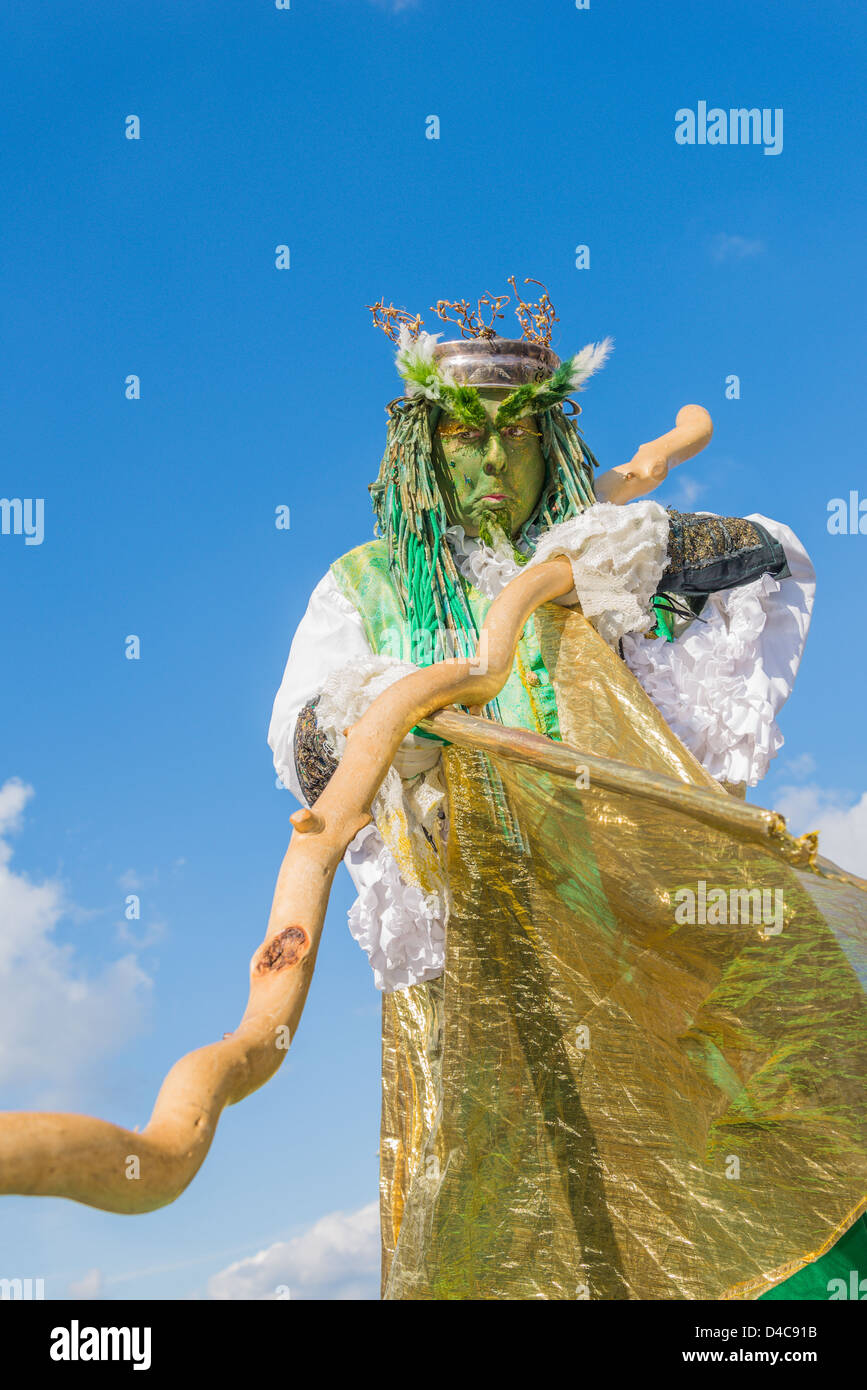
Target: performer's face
pixel 496 471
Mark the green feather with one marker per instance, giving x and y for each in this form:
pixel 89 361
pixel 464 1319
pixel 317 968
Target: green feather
pixel 520 402
pixel 465 403
pixel 537 396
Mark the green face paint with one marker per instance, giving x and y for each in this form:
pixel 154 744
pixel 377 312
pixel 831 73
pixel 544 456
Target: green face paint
pixel 486 472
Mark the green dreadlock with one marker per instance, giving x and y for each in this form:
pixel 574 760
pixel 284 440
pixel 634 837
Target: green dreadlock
pixel 411 516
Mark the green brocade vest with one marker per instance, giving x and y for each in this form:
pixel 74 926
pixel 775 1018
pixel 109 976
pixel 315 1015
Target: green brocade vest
pixel 526 701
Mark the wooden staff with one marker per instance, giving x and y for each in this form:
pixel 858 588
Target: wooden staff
pixel 103 1165
pixel 650 464
pixel 121 1170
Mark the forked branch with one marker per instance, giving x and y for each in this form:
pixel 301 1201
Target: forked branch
pixel 120 1170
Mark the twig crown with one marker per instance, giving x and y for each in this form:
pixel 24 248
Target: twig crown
pixel 536 318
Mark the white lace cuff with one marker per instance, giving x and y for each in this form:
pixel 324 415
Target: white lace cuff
pixel 618 555
pixel 352 689
pixel 401 929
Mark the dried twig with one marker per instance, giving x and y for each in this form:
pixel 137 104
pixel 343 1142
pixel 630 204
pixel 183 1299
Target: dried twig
pixel 467 319
pixel 536 319
pixel 390 320
pixel 494 303
pixel 471 321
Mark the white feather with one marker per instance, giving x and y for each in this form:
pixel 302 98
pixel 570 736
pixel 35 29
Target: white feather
pixel 414 351
pixel 591 357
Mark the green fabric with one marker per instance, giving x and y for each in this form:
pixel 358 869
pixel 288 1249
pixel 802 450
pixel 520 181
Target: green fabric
pixel 664 624
pixel 425 733
pixel 363 578
pixel 845 1263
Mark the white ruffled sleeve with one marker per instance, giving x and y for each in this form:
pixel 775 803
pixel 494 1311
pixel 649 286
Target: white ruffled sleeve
pixel 330 634
pixel 329 638
pixel 720 685
pixel 618 554
pixel 401 929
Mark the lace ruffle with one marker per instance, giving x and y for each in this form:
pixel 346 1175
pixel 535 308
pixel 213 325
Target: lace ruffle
pixel 399 926
pixel 401 929
pixel 618 555
pixel 710 686
pixel 352 689
pixel 487 570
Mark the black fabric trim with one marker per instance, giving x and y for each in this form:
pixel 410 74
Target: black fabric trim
pixel 315 763
pixel 707 554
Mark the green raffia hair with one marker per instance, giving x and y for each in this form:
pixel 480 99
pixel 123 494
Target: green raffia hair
pixel 411 515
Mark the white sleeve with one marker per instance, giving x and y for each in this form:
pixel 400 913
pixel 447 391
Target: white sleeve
pixel 721 684
pixel 788 618
pixel 618 555
pixel 330 635
pixel 329 638
pixel 401 930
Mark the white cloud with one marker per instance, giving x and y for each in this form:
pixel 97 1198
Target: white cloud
pixel 735 248
pixel 800 766
pixel 147 936
pixel 688 490
pixel 14 796
pixel 89 1286
pixel 842 828
pixel 337 1258
pixel 55 1019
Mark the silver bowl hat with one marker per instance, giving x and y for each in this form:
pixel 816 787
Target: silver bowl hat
pixel 451 374
pixel 496 362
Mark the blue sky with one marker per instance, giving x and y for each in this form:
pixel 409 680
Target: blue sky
pixel 262 387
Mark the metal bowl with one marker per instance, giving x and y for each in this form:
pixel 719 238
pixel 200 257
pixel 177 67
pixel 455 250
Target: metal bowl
pixel 495 362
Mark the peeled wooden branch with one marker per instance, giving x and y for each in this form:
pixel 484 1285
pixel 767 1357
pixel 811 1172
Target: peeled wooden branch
pixel 709 806
pixel 116 1169
pixel 650 465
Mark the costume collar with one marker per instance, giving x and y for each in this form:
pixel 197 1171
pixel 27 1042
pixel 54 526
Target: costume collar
pixel 488 570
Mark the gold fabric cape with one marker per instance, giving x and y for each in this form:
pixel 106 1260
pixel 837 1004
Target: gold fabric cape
pixel 597 1100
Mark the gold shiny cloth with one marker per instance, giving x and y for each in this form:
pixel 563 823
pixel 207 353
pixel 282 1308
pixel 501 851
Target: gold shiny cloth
pixel 596 1101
